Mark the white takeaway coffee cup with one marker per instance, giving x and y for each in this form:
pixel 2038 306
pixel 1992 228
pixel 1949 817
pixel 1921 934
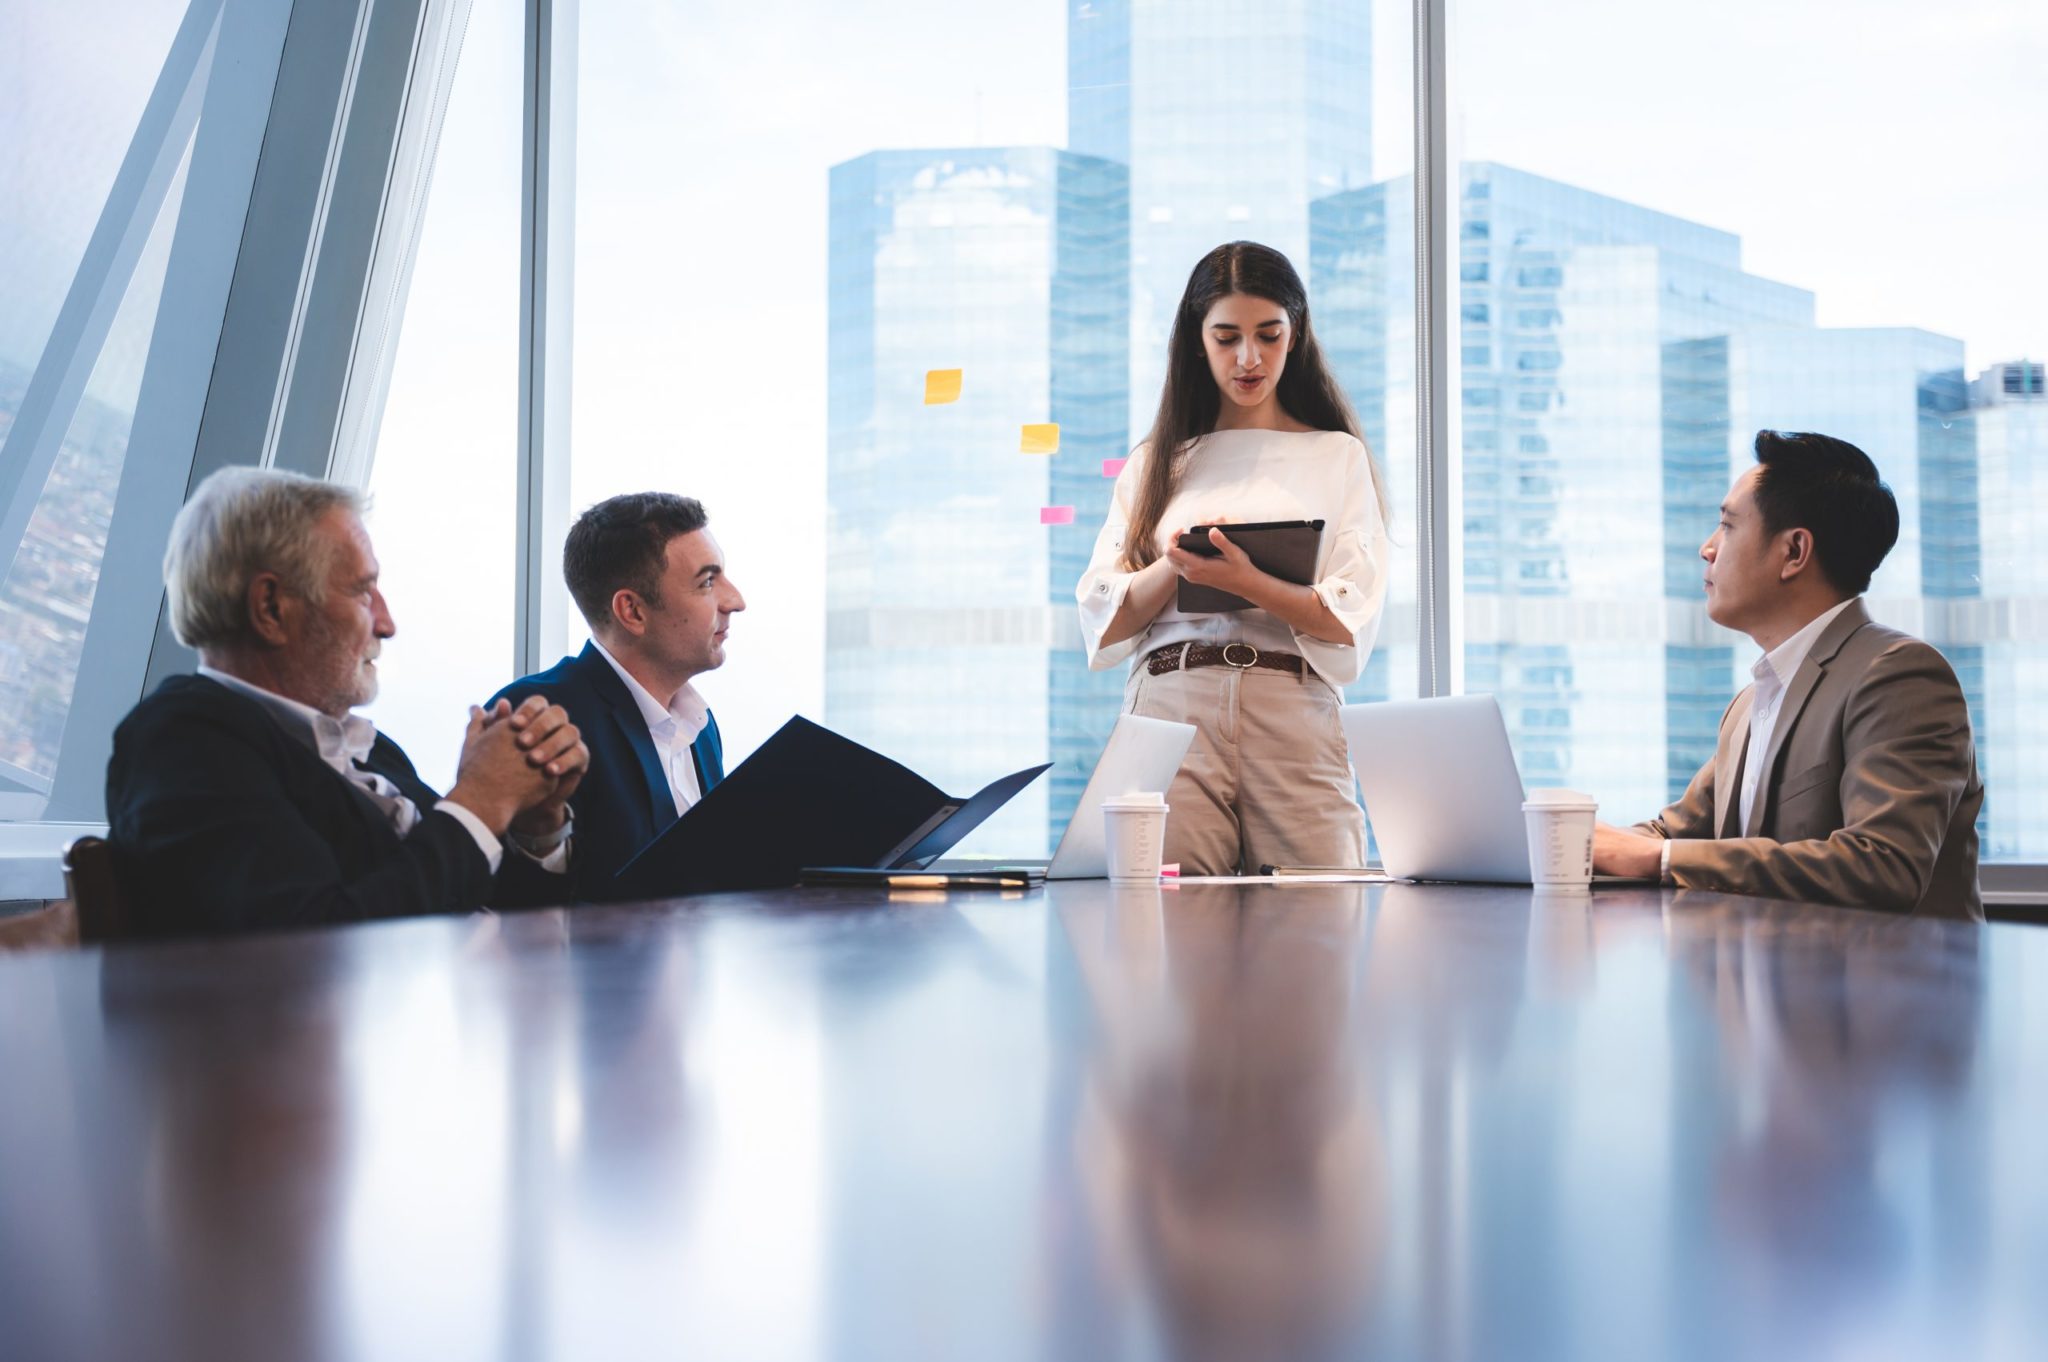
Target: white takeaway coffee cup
pixel 1560 826
pixel 1134 834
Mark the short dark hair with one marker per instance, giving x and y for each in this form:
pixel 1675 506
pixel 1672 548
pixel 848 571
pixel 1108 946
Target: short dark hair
pixel 1830 489
pixel 622 544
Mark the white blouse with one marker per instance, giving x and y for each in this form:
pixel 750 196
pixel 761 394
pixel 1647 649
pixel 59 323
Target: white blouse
pixel 1251 475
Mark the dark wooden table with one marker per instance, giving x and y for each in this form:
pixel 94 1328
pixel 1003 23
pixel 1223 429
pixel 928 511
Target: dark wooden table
pixel 1208 1122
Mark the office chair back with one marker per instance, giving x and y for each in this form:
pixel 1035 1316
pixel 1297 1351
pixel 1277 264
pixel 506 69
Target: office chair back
pixel 94 892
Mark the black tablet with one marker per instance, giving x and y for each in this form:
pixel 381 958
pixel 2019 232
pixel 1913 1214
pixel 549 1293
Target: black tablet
pixel 1284 548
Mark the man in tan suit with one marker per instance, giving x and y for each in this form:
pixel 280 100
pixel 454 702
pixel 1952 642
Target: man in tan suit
pixel 1846 774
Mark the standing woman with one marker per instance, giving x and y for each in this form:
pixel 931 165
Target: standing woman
pixel 1251 427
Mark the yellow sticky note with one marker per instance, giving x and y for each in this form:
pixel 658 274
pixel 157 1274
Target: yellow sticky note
pixel 1043 439
pixel 941 386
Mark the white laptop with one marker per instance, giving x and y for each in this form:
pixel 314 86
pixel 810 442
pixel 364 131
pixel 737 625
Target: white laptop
pixel 1441 788
pixel 1142 754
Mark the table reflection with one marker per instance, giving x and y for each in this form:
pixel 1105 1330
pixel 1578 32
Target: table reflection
pixel 1229 1154
pixel 1834 1142
pixel 603 1142
pixel 223 1159
pixel 1213 1121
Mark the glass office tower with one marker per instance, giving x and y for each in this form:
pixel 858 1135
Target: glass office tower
pixel 1361 279
pixel 1898 394
pixel 2010 620
pixel 1573 512
pixel 1232 121
pixel 1585 475
pixel 950 634
pixel 1614 360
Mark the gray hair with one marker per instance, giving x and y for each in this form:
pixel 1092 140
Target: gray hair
pixel 240 522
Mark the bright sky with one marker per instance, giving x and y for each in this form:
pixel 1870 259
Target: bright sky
pixel 1886 154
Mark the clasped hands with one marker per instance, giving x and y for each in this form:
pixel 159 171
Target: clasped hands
pixel 519 766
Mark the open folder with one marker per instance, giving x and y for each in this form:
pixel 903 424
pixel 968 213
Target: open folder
pixel 809 797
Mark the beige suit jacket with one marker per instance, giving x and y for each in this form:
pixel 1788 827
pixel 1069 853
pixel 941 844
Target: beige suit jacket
pixel 1870 793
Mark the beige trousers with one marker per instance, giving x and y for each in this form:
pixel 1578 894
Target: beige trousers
pixel 1268 780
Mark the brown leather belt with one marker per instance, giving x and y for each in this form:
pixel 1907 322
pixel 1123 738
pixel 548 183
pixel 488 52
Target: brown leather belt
pixel 1238 655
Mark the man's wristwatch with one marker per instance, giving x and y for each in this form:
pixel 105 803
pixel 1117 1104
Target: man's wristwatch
pixel 541 847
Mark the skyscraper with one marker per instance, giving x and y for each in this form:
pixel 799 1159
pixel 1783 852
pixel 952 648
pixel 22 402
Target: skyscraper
pixel 1614 359
pixel 1575 310
pixel 1361 278
pixel 951 637
pixel 2010 619
pixel 1232 120
pixel 950 632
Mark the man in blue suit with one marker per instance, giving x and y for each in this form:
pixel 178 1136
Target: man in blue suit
pixel 651 583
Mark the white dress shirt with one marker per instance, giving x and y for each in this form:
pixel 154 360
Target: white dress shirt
pixel 673 726
pixel 1772 673
pixel 1253 475
pixel 341 743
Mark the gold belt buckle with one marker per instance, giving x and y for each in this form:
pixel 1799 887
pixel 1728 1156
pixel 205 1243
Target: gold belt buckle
pixel 1252 661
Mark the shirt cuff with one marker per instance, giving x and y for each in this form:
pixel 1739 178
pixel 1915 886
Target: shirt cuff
pixel 1664 862
pixel 486 841
pixel 1100 602
pixel 556 862
pixel 1351 606
pixel 550 853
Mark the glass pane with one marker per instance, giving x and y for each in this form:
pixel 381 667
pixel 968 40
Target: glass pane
pixel 1641 294
pixel 73 82
pixel 444 486
pixel 71 91
pixel 989 190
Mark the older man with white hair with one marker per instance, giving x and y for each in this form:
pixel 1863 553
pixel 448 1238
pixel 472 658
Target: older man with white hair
pixel 251 797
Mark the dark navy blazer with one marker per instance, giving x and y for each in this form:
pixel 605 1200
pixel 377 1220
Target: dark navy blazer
pixel 223 822
pixel 624 800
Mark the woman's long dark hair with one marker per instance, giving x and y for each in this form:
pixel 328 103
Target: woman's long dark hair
pixel 1190 402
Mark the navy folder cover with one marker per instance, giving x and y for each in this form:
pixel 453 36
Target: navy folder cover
pixel 808 797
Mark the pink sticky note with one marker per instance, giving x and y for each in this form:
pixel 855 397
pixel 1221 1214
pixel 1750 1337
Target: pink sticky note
pixel 1055 515
pixel 1112 467
pixel 1171 870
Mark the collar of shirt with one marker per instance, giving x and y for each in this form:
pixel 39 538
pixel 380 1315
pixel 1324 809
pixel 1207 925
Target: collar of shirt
pixel 1773 671
pixel 340 743
pixel 685 715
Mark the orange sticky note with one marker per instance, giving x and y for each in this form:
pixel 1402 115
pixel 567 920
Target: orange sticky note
pixel 941 386
pixel 1112 467
pixel 1055 515
pixel 1043 439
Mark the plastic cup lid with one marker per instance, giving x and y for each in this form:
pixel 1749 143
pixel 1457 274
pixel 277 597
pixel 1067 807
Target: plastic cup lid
pixel 1559 799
